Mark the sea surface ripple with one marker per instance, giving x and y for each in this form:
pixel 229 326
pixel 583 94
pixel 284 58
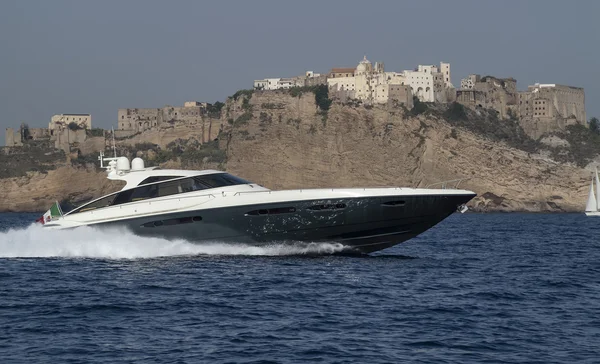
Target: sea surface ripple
pixel 477 288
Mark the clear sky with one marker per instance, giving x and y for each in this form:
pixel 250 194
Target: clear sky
pixel 97 56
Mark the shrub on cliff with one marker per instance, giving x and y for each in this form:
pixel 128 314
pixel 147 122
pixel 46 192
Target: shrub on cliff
pixel 456 111
pixel 595 125
pixel 584 145
pixel 214 110
pixel 195 156
pixel 243 119
pixel 74 126
pixel 245 93
pixel 321 95
pixel 419 107
pixel 95 132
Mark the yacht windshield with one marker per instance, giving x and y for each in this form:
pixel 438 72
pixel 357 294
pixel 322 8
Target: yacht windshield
pixel 165 188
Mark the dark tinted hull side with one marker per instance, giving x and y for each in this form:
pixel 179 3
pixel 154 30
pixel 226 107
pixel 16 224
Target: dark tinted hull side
pixel 363 225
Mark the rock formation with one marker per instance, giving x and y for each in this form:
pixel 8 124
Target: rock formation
pixel 282 139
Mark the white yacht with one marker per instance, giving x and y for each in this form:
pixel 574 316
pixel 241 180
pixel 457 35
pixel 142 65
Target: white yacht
pixel 592 207
pixel 211 205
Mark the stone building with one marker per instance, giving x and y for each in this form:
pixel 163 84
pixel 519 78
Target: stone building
pixel 341 72
pixel 137 120
pixel 61 121
pixel 468 83
pixel 489 92
pixel 550 101
pixel 13 138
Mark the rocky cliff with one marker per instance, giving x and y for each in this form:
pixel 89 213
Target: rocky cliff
pixel 284 140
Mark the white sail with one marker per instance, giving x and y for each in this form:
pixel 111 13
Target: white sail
pixel 591 205
pixel 597 190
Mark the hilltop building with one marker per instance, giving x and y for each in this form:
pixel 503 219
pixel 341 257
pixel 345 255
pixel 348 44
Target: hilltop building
pixel 137 120
pixel 430 83
pixel 61 121
pixel 310 78
pixel 541 102
pixel 489 92
pixel 550 101
pixel 372 84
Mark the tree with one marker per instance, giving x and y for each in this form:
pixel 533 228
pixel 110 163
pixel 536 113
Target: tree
pixel 419 107
pixel 595 125
pixel 74 126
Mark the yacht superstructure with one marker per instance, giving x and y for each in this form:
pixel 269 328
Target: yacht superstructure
pixel 211 205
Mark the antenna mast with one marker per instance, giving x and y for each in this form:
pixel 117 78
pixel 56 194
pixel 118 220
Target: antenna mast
pixel 113 142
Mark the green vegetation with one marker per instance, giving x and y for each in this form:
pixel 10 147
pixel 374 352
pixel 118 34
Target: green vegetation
pixel 584 145
pixel 84 160
pixel 595 125
pixel 243 119
pixel 95 132
pixel 245 93
pixel 246 104
pixel 25 131
pixel 455 112
pixel 214 110
pixel 418 107
pixel 145 146
pixel 488 125
pixel 269 105
pixel 321 95
pixel 198 155
pixel 34 156
pixel 74 126
pixel 264 118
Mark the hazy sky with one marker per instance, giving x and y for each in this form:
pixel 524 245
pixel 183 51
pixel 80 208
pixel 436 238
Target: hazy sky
pixel 98 56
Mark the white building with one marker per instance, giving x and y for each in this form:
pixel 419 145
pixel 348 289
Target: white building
pixel 468 83
pixel 368 84
pixel 284 83
pixel 61 121
pixel 428 83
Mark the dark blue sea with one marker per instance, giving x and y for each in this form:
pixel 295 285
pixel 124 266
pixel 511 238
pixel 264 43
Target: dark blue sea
pixel 477 288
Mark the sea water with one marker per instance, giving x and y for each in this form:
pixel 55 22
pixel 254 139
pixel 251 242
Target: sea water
pixel 477 288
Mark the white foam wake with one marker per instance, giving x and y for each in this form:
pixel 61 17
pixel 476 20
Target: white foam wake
pixel 87 242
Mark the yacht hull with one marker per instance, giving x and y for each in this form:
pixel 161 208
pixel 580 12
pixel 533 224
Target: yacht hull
pixel 361 224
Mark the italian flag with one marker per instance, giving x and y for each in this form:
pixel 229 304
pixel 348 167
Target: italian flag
pixel 54 212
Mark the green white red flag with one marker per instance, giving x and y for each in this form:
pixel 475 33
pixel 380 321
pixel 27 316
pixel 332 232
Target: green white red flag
pixel 51 214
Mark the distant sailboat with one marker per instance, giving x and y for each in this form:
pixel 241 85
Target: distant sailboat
pixel 591 208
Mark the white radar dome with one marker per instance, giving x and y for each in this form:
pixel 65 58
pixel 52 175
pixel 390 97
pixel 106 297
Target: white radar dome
pixel 137 164
pixel 123 164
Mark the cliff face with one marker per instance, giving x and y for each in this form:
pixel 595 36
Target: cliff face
pixel 37 191
pixel 284 141
pixel 295 146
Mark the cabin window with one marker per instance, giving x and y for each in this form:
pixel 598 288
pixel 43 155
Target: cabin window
pixel 149 189
pixel 103 202
pixel 220 180
pixel 157 179
pixel 136 194
pixel 169 188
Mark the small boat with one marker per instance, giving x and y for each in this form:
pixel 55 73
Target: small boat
pixel 211 205
pixel 592 207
